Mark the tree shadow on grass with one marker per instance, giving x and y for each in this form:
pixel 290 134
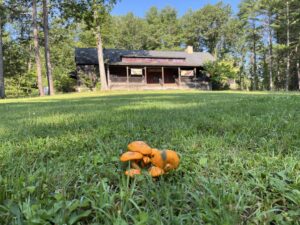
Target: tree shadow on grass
pixel 72 146
pixel 149 116
pixel 54 118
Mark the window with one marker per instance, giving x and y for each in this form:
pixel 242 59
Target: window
pixel 136 72
pixel 187 73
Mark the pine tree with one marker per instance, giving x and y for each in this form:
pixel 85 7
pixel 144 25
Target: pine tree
pixel 37 48
pixel 47 48
pixel 248 14
pixel 2 19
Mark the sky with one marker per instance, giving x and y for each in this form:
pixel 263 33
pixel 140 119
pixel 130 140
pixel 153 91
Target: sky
pixel 139 7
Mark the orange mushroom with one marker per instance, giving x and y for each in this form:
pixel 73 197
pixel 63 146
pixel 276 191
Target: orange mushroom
pixel 172 160
pixel 156 158
pixel 166 159
pixel 141 154
pixel 133 157
pixel 146 160
pixel 156 171
pixel 139 146
pixel 132 172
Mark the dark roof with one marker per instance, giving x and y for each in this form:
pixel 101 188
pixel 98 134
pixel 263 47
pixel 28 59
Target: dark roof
pixel 88 56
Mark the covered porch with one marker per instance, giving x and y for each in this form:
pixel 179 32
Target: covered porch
pixel 155 77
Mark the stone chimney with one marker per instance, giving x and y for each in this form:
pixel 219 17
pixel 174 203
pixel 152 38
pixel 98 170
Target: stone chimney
pixel 189 49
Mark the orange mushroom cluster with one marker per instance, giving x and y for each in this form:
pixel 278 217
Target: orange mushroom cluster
pixel 140 155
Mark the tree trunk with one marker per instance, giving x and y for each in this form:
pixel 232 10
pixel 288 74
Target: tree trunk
pixel 47 50
pixel 241 72
pixel 298 72
pixel 255 69
pixel 255 82
pixel 270 54
pixel 101 62
pixel 29 64
pixel 103 79
pixel 37 49
pixel 2 88
pixel 251 70
pixel 287 78
pixel 298 66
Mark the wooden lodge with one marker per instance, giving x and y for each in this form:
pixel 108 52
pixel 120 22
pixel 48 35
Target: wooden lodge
pixel 140 69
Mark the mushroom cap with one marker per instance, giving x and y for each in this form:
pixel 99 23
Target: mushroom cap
pixel 128 156
pixel 156 171
pixel 166 159
pixel 139 146
pixel 157 158
pixel 172 160
pixel 132 172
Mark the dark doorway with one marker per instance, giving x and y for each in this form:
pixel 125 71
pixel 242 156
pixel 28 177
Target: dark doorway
pixel 171 74
pixel 154 75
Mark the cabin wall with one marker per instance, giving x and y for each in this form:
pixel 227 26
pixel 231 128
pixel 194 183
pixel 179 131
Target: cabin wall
pixel 88 78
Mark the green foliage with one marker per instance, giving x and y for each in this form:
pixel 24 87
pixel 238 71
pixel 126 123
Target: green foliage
pixel 207 28
pixel 163 30
pixel 21 86
pixel 127 32
pixel 221 72
pixel 62 42
pixel 65 84
pixel 239 158
pixel 92 12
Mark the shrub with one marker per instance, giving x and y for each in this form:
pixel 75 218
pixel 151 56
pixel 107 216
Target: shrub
pixel 65 83
pixel 220 72
pixel 21 86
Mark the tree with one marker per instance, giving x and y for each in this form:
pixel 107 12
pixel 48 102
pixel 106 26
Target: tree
pixel 128 32
pixel 2 87
pixel 286 34
pixel 163 29
pixel 298 66
pixel 47 50
pixel 171 32
pixel 37 48
pixel 93 13
pixel 292 16
pixel 267 8
pixel 248 14
pixel 153 28
pixel 287 81
pixel 207 28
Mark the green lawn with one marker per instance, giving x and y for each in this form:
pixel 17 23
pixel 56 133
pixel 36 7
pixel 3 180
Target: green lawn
pixel 240 158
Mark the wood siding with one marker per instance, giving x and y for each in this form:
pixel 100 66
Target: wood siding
pixel 152 60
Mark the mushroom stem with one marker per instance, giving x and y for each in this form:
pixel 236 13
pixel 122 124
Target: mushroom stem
pixel 146 160
pixel 134 165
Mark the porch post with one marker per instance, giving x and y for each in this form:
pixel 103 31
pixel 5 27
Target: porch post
pixel 127 74
pixel 108 76
pixel 194 80
pixel 145 81
pixel 163 75
pixel 179 76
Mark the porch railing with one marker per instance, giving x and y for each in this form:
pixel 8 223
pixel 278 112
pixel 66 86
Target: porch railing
pixel 118 79
pixel 136 79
